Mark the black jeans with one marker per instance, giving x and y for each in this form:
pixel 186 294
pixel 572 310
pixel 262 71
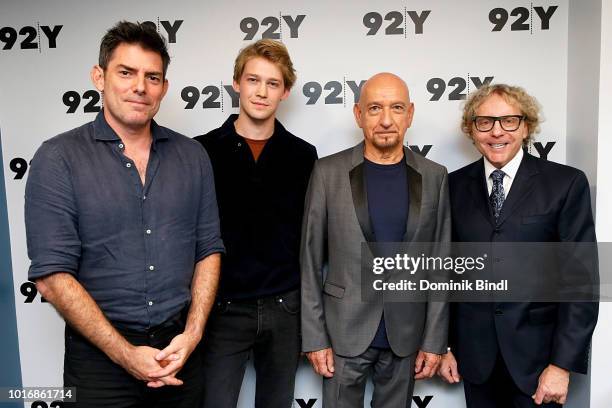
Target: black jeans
pixel 269 328
pixel 100 382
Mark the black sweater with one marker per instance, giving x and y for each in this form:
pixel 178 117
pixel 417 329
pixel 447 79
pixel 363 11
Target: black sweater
pixel 260 206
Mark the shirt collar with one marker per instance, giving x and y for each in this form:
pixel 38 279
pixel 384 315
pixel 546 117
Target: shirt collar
pixel 509 169
pixel 229 128
pixel 103 131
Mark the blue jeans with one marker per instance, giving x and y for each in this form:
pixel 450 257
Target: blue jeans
pixel 267 328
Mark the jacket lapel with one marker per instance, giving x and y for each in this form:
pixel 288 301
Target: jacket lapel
pixel 415 195
pixel 478 190
pixel 360 201
pixel 521 187
pixel 359 193
pixel 360 197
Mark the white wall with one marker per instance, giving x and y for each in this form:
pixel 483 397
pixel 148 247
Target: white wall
pixel 457 42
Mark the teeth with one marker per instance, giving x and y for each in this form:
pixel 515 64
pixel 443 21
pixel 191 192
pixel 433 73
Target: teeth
pixel 497 145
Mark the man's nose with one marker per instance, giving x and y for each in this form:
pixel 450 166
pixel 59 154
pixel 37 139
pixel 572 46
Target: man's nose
pixel 497 130
pixel 139 84
pixel 262 90
pixel 386 120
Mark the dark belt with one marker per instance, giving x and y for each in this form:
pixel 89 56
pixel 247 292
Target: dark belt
pixel 257 299
pixel 174 324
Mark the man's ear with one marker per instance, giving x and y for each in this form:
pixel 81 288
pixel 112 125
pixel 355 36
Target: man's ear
pixel 286 94
pixel 236 86
pixel 97 77
pixel 357 113
pixel 166 86
pixel 410 113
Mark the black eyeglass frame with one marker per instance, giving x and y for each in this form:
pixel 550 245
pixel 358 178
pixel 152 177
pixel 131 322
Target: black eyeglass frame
pixel 498 119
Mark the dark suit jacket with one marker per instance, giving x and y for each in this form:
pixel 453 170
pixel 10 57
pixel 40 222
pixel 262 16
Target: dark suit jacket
pixel 548 202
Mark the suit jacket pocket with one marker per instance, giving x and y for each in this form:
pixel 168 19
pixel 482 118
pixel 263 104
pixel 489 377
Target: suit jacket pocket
pixel 539 218
pixel 333 290
pixel 543 315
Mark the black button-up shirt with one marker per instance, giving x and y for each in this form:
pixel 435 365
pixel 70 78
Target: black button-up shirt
pixel 132 247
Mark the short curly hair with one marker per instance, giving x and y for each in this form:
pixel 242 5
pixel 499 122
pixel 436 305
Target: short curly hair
pixel 273 51
pixel 514 95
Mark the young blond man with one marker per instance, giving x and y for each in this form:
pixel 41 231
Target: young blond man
pixel 261 176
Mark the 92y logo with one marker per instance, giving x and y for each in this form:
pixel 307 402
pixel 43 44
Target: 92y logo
pixel 72 99
pixel 524 18
pixel 273 26
pixel 437 87
pixel 31 37
pixel 43 404
pixel 398 22
pixel 30 292
pixel 19 166
pixel 312 91
pixel 213 98
pixel 170 27
pixel 312 402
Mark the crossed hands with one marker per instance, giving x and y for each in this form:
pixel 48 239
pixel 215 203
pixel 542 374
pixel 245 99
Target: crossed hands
pixel 159 367
pixel 322 362
pixel 426 365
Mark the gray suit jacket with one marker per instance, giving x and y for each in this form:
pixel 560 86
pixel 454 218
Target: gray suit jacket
pixel 336 222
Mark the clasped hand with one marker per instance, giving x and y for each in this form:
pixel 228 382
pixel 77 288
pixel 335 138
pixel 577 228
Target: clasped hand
pixel 159 367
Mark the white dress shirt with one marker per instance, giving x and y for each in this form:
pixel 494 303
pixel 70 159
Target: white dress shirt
pixel 509 170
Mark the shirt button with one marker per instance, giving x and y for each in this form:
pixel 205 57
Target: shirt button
pixel 121 145
pixel 128 165
pixel 151 268
pixel 148 232
pixel 239 144
pixel 150 303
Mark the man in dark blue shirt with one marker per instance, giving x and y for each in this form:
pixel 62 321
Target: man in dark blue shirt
pixel 388 203
pixel 122 243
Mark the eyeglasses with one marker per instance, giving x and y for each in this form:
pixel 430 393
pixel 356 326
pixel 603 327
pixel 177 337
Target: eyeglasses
pixel 509 122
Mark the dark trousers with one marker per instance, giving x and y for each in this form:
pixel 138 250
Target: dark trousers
pixel 499 391
pixel 392 376
pixel 268 329
pixel 100 382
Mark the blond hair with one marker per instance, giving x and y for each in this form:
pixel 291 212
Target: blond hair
pixel 513 95
pixel 273 51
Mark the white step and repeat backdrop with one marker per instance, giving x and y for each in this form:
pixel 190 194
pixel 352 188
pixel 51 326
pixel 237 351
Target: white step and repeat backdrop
pixel 443 49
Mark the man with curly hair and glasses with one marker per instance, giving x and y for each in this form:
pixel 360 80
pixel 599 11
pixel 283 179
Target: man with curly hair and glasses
pixel 517 354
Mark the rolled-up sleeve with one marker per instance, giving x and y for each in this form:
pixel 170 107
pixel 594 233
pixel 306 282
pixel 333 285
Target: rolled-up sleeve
pixel 51 215
pixel 208 228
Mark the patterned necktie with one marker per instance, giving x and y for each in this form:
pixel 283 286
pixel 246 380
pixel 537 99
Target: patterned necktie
pixel 497 197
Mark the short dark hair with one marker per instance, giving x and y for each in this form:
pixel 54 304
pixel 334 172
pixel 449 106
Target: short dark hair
pixel 143 34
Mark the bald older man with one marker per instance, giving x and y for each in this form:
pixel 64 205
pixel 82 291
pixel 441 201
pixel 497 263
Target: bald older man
pixel 377 191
